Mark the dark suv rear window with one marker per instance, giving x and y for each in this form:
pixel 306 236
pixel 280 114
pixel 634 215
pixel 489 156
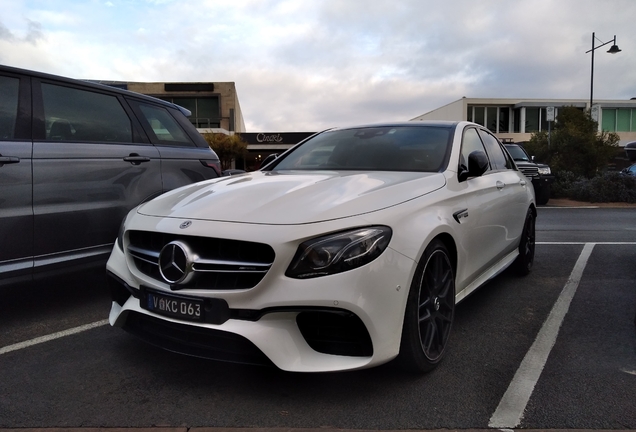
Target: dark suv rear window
pixel 8 106
pixel 164 126
pixel 78 115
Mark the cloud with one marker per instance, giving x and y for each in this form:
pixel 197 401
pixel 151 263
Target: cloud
pixel 315 64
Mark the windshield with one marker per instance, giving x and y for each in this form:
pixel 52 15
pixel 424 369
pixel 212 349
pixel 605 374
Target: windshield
pixel 517 153
pixel 386 148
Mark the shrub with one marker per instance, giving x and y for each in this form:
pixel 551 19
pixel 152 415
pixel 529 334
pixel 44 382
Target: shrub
pixel 607 187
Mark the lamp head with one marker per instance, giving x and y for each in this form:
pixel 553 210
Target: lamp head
pixel 614 49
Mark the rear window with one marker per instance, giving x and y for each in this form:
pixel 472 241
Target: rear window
pixel 392 148
pixel 8 106
pixel 78 115
pixel 165 128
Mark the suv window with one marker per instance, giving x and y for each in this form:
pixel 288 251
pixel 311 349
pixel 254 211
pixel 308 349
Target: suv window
pixel 8 106
pixel 78 115
pixel 470 143
pixel 164 126
pixel 497 156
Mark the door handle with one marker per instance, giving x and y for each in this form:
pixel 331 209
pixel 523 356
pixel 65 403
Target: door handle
pixel 135 159
pixel 500 185
pixel 8 160
pixel 522 182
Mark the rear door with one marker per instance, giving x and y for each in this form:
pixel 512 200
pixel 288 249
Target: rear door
pixel 185 157
pixel 16 209
pixel 90 167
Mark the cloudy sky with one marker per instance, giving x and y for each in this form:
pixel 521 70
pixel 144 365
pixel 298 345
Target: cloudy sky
pixel 305 65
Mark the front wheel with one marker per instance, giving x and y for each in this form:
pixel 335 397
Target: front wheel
pixel 525 260
pixel 429 311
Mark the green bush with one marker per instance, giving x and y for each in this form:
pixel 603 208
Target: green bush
pixel 606 187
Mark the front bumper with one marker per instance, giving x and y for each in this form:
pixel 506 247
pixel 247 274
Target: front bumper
pixel 346 321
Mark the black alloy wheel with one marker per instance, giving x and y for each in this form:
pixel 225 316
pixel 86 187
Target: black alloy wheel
pixel 525 260
pixel 429 312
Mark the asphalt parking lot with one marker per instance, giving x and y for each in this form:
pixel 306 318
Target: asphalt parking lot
pixel 554 350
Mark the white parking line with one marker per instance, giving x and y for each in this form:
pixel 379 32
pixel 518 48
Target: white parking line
pixel 513 404
pixel 51 337
pixel 584 243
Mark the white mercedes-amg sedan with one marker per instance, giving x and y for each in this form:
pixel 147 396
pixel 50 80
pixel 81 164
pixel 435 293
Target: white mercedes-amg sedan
pixel 347 251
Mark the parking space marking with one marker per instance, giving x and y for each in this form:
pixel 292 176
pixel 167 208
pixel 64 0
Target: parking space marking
pixel 513 404
pixel 584 243
pixel 42 339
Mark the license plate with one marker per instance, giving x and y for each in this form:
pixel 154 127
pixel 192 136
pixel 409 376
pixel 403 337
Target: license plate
pixel 184 308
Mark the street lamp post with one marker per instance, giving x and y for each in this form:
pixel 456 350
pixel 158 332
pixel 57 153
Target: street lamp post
pixel 613 50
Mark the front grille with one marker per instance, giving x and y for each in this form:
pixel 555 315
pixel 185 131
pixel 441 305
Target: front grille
pixel 336 333
pixel 195 341
pixel 220 264
pixel 529 171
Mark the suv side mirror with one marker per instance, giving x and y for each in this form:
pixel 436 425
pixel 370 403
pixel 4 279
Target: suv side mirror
pixel 477 165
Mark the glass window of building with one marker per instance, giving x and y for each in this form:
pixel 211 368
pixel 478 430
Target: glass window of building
pixel 532 120
pixel 623 120
pixel 496 119
pixel 206 111
pixel 618 120
pixel 608 122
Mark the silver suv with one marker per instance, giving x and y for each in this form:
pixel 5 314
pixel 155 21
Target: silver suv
pixel 75 157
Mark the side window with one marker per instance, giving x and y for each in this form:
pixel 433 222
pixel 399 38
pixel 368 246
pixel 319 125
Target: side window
pixel 498 158
pixel 8 106
pixel 470 143
pixel 164 126
pixel 71 114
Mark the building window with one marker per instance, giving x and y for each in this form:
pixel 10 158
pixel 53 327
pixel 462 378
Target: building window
pixel 496 119
pixel 618 120
pixel 206 111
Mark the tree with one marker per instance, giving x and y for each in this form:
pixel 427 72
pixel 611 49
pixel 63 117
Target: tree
pixel 575 144
pixel 226 147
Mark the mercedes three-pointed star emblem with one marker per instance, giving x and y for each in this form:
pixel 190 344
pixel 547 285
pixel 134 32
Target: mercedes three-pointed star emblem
pixel 175 263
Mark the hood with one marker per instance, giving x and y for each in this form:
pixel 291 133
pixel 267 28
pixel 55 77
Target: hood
pixel 292 197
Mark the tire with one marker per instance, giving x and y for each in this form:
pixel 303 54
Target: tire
pixel 525 260
pixel 430 310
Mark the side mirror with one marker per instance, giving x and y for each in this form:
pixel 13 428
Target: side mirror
pixel 267 160
pixel 532 158
pixel 477 165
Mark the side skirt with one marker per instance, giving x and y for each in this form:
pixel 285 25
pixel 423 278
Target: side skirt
pixel 493 271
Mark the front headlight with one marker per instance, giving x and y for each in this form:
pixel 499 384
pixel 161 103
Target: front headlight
pixel 544 170
pixel 339 252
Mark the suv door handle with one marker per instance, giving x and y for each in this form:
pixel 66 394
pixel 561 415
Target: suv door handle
pixel 500 185
pixel 8 160
pixel 135 159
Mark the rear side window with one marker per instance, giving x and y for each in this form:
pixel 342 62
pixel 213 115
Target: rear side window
pixel 78 115
pixel 8 106
pixel 164 126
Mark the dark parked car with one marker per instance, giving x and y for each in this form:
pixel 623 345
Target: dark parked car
pixel 630 150
pixel 75 157
pixel 539 174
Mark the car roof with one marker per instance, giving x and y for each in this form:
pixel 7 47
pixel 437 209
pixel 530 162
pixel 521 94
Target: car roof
pixel 91 84
pixel 419 123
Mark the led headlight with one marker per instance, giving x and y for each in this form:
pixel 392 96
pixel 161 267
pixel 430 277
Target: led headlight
pixel 339 252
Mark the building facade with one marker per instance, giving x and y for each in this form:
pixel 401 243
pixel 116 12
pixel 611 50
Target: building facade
pixel 516 119
pixel 262 144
